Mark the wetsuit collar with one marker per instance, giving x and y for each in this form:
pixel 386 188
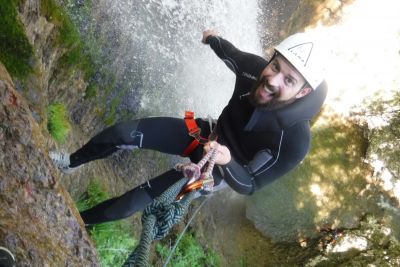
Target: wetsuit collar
pixel 303 109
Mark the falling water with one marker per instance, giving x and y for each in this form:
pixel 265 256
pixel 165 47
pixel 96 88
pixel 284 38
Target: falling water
pixel 155 47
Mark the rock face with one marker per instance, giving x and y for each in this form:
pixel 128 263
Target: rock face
pixel 310 13
pixel 321 192
pixel 39 223
pixel 333 189
pixel 52 82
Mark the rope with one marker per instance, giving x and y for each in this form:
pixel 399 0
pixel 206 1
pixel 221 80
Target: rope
pixel 157 219
pixel 183 232
pixel 164 212
pixel 193 171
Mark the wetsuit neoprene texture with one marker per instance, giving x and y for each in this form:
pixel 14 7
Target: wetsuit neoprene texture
pixel 264 145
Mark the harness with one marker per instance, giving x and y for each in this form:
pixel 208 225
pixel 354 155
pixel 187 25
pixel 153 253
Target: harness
pixel 194 131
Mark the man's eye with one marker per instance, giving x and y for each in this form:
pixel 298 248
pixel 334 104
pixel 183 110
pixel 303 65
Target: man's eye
pixel 289 81
pixel 274 67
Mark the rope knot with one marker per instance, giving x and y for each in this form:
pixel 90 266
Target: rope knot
pixel 157 219
pixel 166 215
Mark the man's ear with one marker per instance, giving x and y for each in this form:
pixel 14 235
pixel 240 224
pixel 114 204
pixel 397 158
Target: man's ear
pixel 303 92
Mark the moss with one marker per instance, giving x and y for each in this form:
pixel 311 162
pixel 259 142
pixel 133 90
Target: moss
pixel 91 90
pixel 15 49
pixel 58 123
pixel 108 81
pixel 112 114
pixel 68 33
pixel 68 36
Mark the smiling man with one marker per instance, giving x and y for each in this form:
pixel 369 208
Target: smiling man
pixel 265 125
pixel 279 85
pixel 262 133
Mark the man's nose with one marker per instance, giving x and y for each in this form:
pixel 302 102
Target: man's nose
pixel 275 80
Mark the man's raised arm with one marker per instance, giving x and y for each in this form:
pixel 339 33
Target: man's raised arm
pixel 236 60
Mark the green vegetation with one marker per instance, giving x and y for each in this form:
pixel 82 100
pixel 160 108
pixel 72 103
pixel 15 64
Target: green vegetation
pixel 58 123
pixel 243 262
pixel 109 81
pixel 69 37
pixel 15 49
pixel 68 33
pixel 84 52
pixel 189 253
pixel 91 91
pixel 16 53
pixel 101 78
pixel 113 240
pixel 112 114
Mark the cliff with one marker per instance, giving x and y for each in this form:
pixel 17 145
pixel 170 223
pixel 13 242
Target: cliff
pixel 38 220
pixel 337 200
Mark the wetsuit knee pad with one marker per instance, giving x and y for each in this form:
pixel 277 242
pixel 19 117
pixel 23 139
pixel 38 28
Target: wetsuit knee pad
pixel 127 133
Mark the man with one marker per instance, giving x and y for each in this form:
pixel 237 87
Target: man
pixel 262 133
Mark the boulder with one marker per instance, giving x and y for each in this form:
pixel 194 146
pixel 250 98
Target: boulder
pixel 329 190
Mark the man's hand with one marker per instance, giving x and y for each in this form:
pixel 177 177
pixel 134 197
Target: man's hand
pixel 223 154
pixel 207 33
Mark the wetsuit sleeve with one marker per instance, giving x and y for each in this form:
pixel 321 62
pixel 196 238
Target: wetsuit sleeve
pixel 263 169
pixel 241 63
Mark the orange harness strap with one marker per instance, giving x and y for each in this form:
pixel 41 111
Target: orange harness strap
pixel 194 131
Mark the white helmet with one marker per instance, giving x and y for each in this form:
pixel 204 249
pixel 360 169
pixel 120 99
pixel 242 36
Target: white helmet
pixel 304 54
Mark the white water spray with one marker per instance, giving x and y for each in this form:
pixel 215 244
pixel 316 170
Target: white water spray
pixel 161 50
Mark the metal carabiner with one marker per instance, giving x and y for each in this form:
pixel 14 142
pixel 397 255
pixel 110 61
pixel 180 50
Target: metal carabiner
pixel 197 185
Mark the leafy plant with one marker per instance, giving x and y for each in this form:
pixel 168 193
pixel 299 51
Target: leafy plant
pixel 58 123
pixel 113 240
pixel 242 262
pixel 189 252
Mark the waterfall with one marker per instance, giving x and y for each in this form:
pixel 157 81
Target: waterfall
pixel 155 47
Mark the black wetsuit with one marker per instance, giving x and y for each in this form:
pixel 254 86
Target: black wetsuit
pixel 264 145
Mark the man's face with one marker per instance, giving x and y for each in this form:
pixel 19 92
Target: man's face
pixel 279 85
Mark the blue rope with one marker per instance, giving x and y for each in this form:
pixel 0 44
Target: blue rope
pixel 157 219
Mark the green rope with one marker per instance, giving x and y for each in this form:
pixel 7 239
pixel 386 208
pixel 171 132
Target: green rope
pixel 182 233
pixel 157 219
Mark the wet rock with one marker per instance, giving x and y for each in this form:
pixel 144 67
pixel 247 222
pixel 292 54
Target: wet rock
pixel 19 86
pixel 321 191
pixel 347 243
pixel 37 117
pixel 34 222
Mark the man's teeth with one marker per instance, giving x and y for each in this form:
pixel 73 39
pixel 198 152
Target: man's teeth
pixel 268 91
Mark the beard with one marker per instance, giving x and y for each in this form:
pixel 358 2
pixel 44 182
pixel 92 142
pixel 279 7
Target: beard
pixel 272 104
